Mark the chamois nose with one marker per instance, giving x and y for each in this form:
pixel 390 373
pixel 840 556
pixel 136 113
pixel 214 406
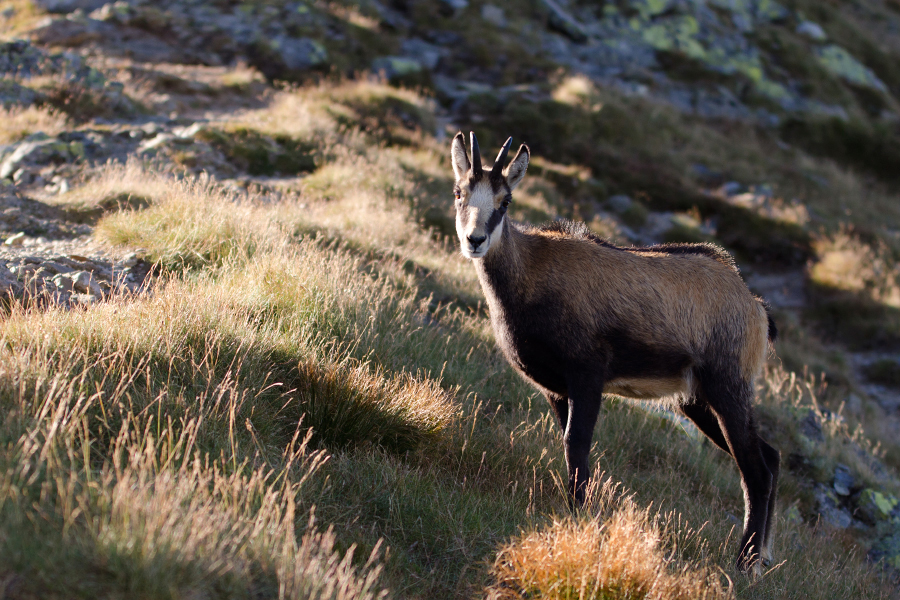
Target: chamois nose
pixel 475 241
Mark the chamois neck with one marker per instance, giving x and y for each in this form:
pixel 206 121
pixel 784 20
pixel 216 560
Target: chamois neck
pixel 504 264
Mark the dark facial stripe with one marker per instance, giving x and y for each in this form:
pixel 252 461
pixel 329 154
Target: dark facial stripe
pixel 495 219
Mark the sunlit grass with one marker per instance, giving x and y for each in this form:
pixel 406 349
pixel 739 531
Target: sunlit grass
pixel 18 122
pixel 164 432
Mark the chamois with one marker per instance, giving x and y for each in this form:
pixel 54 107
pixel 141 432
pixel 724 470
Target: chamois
pixel 578 317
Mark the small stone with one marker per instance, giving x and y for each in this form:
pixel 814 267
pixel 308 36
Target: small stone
pixel 493 15
pixel 23 177
pixel 427 54
pixel 843 480
pixel 396 66
pixel 85 299
pixel 811 427
pixel 619 203
pixel 733 188
pixel 84 282
pixel 130 259
pixel 63 283
pixel 563 22
pixel 812 31
pixel 15 240
pixel 189 132
pixel 456 5
pixel 830 510
pixel 63 186
pixel 155 142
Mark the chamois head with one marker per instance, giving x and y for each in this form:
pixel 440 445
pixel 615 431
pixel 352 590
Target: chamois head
pixel 483 197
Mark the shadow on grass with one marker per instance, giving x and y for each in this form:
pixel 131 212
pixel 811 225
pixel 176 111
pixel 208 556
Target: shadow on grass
pixel 854 318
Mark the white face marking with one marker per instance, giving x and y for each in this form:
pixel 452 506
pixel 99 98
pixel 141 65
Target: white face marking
pixel 472 213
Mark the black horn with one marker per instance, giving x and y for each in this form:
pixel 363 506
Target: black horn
pixel 476 156
pixel 501 158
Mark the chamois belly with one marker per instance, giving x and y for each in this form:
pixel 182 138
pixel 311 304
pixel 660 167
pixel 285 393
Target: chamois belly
pixel 650 388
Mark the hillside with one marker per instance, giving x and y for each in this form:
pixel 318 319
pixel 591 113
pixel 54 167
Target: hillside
pixel 241 355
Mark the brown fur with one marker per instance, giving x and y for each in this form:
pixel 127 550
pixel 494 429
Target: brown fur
pixel 578 316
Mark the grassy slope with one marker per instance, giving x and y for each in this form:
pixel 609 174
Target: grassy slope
pixel 126 456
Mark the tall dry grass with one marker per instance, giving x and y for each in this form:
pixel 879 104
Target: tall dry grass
pixel 281 313
pixel 17 122
pixel 620 553
pixel 140 503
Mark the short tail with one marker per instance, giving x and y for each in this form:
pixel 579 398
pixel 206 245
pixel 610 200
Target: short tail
pixel 773 330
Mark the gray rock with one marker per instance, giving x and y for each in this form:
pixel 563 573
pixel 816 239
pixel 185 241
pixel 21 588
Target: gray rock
pixel 396 66
pixel 37 152
pixel 117 12
pixel 427 54
pixel 63 283
pixel 55 267
pixel 843 480
pixel 811 427
pixel 23 177
pixel 812 31
pixel 15 240
pixel 830 509
pixel 12 93
pixel 619 203
pixel 67 31
pixel 456 5
pixel 493 15
pixel 84 282
pixel 561 21
pixel 300 54
pixel 283 57
pixel 64 6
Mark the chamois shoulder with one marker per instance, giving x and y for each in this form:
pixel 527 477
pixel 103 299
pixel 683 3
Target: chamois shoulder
pixel 577 230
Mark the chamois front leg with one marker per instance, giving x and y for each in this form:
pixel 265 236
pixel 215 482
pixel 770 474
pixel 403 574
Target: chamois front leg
pixel 585 395
pixel 560 406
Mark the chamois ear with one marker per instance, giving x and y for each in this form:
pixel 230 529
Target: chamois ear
pixel 461 164
pixel 516 169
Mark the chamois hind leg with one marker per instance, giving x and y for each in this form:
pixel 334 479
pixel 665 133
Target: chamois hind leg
pixel 560 405
pixel 585 396
pixel 730 399
pixel 706 421
pixel 773 461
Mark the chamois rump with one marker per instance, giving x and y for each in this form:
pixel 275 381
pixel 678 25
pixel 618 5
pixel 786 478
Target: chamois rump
pixel 579 317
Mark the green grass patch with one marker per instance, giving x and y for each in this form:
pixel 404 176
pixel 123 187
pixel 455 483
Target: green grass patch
pixel 258 154
pixel 871 147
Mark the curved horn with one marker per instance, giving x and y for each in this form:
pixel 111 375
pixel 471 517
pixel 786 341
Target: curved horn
pixel 501 158
pixel 476 156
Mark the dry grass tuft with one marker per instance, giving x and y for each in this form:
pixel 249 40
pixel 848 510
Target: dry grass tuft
pixel 622 556
pixel 848 263
pixel 17 122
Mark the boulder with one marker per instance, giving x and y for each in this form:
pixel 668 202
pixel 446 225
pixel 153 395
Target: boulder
pixel 67 31
pixel 35 152
pixel 874 506
pixel 844 65
pixel 287 57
